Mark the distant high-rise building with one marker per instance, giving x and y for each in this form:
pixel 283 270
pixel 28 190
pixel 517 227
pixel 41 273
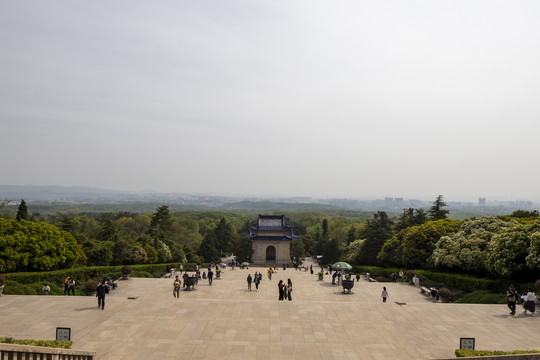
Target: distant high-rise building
pixel 482 201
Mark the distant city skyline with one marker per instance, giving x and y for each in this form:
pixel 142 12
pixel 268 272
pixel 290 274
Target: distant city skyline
pixel 14 192
pixel 352 99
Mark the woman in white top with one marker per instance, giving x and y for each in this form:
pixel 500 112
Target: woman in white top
pixel 529 302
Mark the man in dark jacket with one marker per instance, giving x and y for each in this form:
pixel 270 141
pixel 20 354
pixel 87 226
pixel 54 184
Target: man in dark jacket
pixel 101 290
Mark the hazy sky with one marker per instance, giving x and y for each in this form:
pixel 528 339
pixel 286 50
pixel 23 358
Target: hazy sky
pixel 317 98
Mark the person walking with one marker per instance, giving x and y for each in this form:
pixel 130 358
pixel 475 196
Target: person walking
pixel 512 296
pixel 249 280
pixel 281 288
pixel 46 289
pixel 257 281
pixel 210 277
pixel 289 289
pixel 101 290
pixel 529 302
pixel 176 287
pixel 384 294
pixel 270 271
pixel 71 286
pixel 66 285
pixel 434 294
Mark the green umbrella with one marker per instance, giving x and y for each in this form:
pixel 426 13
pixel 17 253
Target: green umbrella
pixel 245 263
pixel 341 266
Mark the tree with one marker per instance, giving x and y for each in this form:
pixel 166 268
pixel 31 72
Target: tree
pixel 332 250
pixel 410 217
pixel 223 236
pixel 22 212
pixel 351 235
pixel 297 252
pixel 466 250
pixel 419 241
pixel 98 253
pixel 208 249
pixel 107 232
pixel 29 246
pixel 242 249
pixel 510 252
pixel 161 224
pixel 325 230
pixel 376 232
pixel 412 246
pixel 320 244
pixel 525 213
pixel 436 212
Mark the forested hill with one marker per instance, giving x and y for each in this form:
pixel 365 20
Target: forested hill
pixel 244 207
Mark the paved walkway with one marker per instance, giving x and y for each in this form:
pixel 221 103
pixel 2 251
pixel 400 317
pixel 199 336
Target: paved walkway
pixel 225 321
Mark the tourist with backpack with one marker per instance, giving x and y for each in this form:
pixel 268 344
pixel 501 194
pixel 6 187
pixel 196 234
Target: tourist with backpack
pixel 512 296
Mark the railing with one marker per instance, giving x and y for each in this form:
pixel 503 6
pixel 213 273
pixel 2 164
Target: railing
pixel 23 352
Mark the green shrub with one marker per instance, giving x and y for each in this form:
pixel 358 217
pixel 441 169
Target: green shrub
pixel 445 293
pixel 90 286
pixel 64 344
pixel 126 269
pixel 482 297
pixel 456 281
pixel 15 288
pixel 141 274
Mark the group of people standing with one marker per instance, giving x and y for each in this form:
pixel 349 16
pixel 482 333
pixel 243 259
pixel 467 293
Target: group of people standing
pixel 285 290
pixel 69 285
pixel 257 278
pixel 528 300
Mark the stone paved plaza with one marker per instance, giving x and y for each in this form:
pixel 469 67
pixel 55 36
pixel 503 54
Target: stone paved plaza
pixel 225 321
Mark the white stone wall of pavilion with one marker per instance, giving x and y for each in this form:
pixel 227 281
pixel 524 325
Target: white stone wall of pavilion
pixel 283 252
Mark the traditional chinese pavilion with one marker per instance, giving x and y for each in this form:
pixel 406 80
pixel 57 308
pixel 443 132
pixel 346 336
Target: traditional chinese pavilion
pixel 271 240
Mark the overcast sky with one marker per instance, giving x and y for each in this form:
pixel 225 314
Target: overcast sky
pixel 307 98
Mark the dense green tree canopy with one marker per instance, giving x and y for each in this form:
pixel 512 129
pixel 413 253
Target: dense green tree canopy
pixel 467 248
pixel 376 232
pixel 412 247
pixel 29 246
pixel 513 251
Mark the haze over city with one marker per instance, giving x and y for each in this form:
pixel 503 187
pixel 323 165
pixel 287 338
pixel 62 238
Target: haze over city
pixel 300 98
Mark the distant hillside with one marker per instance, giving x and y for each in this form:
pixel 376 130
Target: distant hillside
pixel 56 193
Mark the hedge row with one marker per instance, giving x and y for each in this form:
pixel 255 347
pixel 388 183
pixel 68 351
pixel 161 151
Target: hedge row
pixel 465 283
pixel 471 353
pixel 482 297
pixel 64 344
pixel 83 274
pixel 456 281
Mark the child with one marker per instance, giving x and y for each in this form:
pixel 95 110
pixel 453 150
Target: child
pixel 384 294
